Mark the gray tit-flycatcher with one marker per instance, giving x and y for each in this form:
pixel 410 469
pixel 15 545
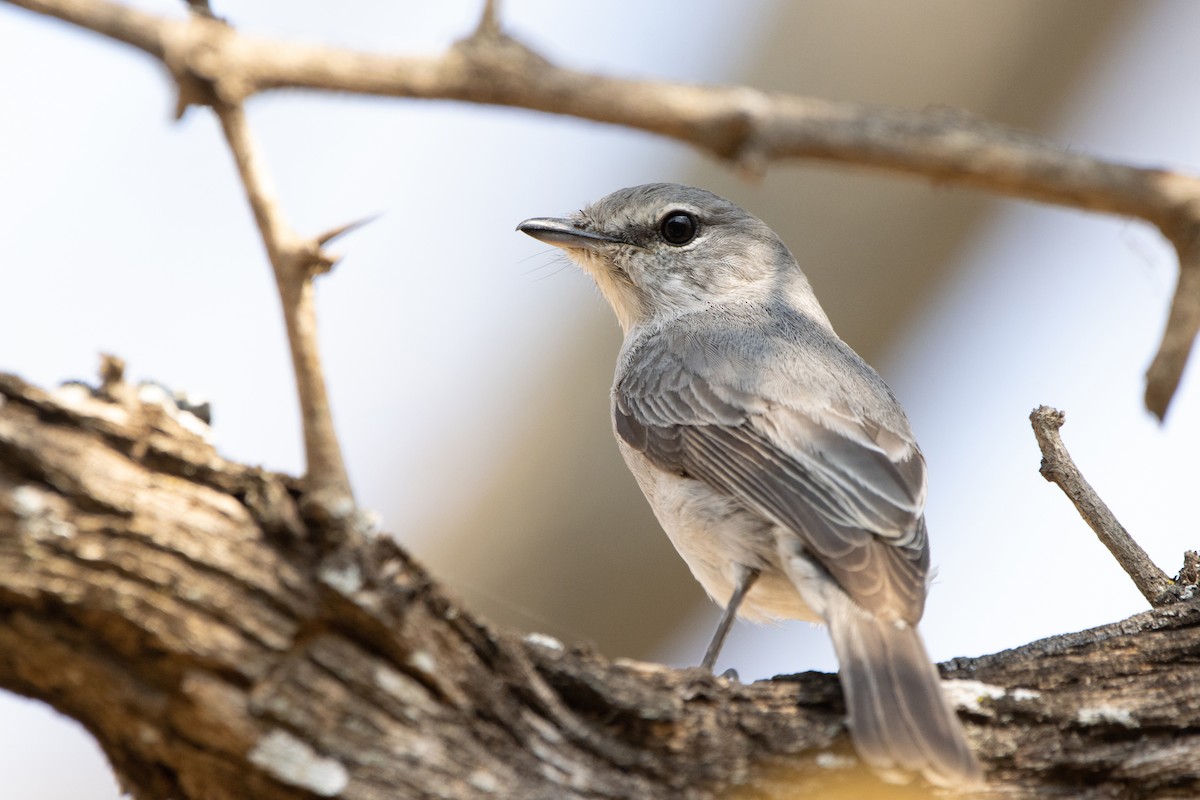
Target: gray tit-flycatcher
pixel 779 463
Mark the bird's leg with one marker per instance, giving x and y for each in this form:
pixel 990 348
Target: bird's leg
pixel 749 575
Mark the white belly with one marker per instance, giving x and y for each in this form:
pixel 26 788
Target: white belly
pixel 716 537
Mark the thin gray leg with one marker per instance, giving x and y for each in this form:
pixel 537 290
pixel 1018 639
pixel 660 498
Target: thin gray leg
pixel 739 594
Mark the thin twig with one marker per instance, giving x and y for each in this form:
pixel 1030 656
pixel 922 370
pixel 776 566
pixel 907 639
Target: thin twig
pixel 341 230
pixel 1183 324
pixel 746 126
pixel 489 19
pixel 296 261
pixel 1058 467
pixel 201 8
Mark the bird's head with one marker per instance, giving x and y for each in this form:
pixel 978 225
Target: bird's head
pixel 661 250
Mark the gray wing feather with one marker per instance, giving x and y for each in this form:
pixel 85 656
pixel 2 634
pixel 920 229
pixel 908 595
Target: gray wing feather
pixel 850 488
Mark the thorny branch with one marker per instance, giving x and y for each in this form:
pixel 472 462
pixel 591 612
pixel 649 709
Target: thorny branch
pixel 745 126
pixel 296 260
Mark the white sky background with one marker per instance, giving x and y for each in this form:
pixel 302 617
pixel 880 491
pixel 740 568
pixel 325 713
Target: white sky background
pixel 129 234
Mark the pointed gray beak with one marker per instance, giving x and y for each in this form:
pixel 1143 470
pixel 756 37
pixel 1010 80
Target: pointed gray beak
pixel 561 233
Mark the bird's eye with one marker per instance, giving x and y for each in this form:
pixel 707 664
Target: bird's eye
pixel 678 228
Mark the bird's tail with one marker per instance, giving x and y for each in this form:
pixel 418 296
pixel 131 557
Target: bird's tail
pixel 899 718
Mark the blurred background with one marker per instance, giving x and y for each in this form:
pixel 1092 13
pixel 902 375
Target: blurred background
pixel 470 365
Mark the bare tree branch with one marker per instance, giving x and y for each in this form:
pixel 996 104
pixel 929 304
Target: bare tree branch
pixel 189 611
pixel 743 125
pixel 1058 467
pixel 174 603
pixel 1183 323
pixel 296 261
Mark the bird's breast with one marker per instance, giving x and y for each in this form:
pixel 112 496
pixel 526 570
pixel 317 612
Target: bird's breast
pixel 716 536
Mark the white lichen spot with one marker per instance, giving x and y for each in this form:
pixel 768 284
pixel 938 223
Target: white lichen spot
pixel 370 522
pixel 295 763
pixel 40 520
pixel 969 695
pixel 78 398
pixel 177 406
pixel 408 691
pixel 422 662
pixel 835 761
pixel 347 579
pixel 544 641
pixel 1106 715
pixel 28 502
pixel 195 426
pixel 155 394
pixel 484 781
pixel 342 508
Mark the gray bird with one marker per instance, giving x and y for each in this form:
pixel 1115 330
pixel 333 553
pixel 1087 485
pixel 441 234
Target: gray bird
pixel 779 463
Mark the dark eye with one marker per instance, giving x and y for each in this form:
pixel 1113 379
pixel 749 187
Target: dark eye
pixel 678 228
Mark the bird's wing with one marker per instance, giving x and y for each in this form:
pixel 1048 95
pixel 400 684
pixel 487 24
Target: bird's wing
pixel 850 487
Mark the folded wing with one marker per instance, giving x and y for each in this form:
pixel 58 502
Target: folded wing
pixel 850 488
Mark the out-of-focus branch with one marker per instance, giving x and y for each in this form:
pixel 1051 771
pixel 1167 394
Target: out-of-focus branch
pixel 1183 323
pixel 1058 467
pixel 746 126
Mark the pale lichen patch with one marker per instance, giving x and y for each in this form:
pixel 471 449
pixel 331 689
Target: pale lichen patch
pixel 544 641
pixel 178 406
pixel 33 507
pixel 28 502
pixel 484 781
pixel 294 762
pixel 412 695
pixel 346 579
pixel 969 695
pixel 78 398
pixel 422 662
pixel 1106 715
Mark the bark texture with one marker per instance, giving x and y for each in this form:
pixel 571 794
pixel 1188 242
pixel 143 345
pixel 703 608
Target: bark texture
pixel 219 645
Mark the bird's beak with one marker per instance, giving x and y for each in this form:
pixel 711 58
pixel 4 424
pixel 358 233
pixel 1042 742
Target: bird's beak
pixel 561 233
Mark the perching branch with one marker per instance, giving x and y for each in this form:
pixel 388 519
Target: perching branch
pixel 170 601
pixel 748 127
pixel 1058 467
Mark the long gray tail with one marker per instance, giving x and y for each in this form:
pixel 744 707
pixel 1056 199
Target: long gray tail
pixel 899 718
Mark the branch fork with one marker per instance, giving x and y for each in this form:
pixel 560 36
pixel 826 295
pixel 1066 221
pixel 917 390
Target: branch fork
pixel 212 62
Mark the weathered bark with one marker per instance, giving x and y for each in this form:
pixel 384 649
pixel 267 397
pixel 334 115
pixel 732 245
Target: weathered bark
pixel 220 645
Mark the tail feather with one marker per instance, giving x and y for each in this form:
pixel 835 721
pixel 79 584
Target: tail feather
pixel 899 717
